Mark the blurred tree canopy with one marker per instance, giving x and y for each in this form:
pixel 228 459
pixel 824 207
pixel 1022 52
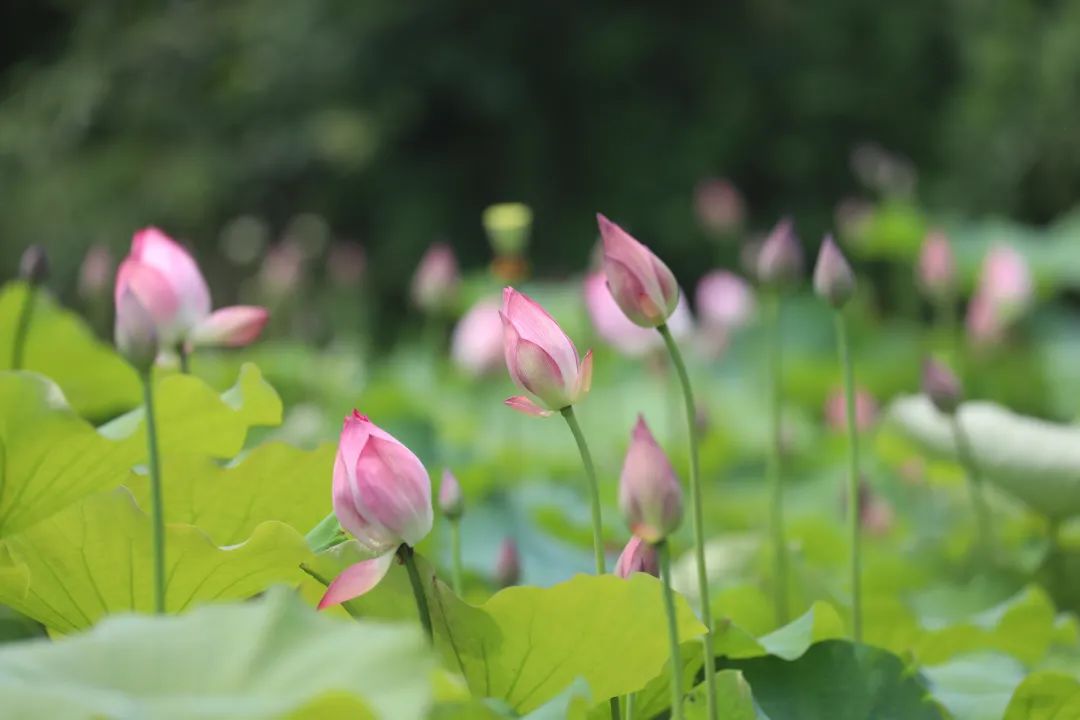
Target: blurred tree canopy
pixel 398 122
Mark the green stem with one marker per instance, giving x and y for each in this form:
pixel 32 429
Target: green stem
pixel 628 703
pixel 774 468
pixel 157 504
pixel 406 554
pixel 697 514
pixel 185 359
pixel 455 555
pixel 594 489
pixel 22 329
pixel 975 487
pixel 853 476
pixel 673 631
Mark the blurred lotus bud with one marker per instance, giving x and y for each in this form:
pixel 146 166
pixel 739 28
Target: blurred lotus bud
pixel 834 280
pixel 614 328
pixel 234 326
pixel 508 226
pixel 282 271
pixel 780 259
pixel 95 273
pixel 540 358
pixel 876 516
pixel 866 410
pixel 508 564
pixel 34 265
pixel 436 279
pixel 724 300
pixel 135 332
pixel 477 342
pixel 984 326
pixel 451 502
pixel 941 385
pixel 649 493
pixel 244 239
pixel 640 282
pixel 720 207
pixel 637 556
pixel 1004 292
pixel 937 266
pixel 346 263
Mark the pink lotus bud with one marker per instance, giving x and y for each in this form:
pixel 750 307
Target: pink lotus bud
pixel 95 273
pixel 834 280
pixel 649 494
pixel 937 266
pixel 1004 292
pixel 866 410
pixel 234 326
pixel 637 556
pixel 876 516
pixel 282 270
pixel 719 205
pixel 541 359
pixel 382 496
pixel 436 279
pixel 613 327
pixel 780 259
pixel 640 282
pixel 941 385
pixel 34 265
pixel 508 565
pixel 477 343
pixel 451 502
pixel 135 334
pixel 724 300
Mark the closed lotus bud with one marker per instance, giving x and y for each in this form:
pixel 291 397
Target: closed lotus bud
pixel 507 226
pixel 637 556
pixel 649 494
pixel 937 266
pixel 451 502
pixel 833 278
pixel 780 259
pixel 135 332
pixel 724 300
pixel 866 410
pixel 477 342
pixel 613 327
pixel 941 386
pixel 508 564
pixel 95 273
pixel 984 325
pixel 640 282
pixel 436 279
pixel 720 207
pixel 34 265
pixel 540 357
pixel 382 496
pixel 1004 292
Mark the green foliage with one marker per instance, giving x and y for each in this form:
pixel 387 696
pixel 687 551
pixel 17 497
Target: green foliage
pixel 1045 696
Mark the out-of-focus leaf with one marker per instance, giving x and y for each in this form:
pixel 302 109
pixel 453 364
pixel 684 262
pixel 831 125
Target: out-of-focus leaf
pixel 975 687
pixel 1045 696
pixel 733 698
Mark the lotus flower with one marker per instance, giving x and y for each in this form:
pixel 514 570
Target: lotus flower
pixel 436 279
pixel 382 496
pixel 508 564
pixel 168 285
pixel 1004 292
pixel 640 282
pixel 637 556
pixel 540 357
pixel 613 327
pixel 780 259
pixel 936 270
pixel 719 205
pixel 95 273
pixel 34 265
pixel 649 494
pixel 135 333
pixel 477 343
pixel 834 280
pixel 941 385
pixel 451 502
pixel 724 300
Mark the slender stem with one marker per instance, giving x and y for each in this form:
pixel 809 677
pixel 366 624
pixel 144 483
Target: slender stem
pixel 853 476
pixel 673 632
pixel 1056 555
pixel 628 703
pixel 774 467
pixel 978 500
pixel 185 359
pixel 406 554
pixel 157 504
pixel 455 555
pixel 18 348
pixel 594 489
pixel 697 514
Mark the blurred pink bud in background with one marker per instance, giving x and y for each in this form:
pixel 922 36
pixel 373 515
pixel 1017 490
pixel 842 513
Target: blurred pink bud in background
pixel 451 501
pixel 614 328
pixel 834 280
pixel 936 270
pixel 1004 292
pixel 436 279
pixel 508 564
pixel 719 206
pixel 96 272
pixel 282 270
pixel 724 300
pixel 649 494
pixel 866 410
pixel 876 515
pixel 640 282
pixel 346 263
pixel 637 556
pixel 477 342
pixel 780 259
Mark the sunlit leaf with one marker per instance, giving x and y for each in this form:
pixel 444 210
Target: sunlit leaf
pixel 975 687
pixel 1045 696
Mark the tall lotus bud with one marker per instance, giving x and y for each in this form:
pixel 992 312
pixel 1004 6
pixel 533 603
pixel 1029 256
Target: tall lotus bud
pixel 436 279
pixel 866 410
pixel 1006 282
pixel 613 327
pixel 135 333
pixel 833 278
pixel 508 564
pixel 780 259
pixel 941 386
pixel 540 357
pixel 234 326
pixel 382 496
pixel 649 494
pixel 476 345
pixel 640 282
pixel 507 226
pixel 637 556
pixel 95 273
pixel 720 207
pixel 451 502
pixel 936 269
pixel 34 265
pixel 724 300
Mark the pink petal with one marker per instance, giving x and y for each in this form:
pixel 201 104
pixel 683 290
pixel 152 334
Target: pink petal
pixel 525 405
pixel 356 580
pixel 655 278
pixel 152 247
pixel 534 324
pixel 540 375
pixel 154 293
pixel 394 489
pixel 584 383
pixel 233 326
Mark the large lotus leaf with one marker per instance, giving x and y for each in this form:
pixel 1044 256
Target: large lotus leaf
pixel 96 381
pixel 1034 460
pixel 975 687
pixel 94 558
pixel 838 680
pixel 272 658
pixel 734 700
pixel 1045 696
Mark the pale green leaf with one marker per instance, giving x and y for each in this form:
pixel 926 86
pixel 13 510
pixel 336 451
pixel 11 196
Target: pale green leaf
pixel 975 687
pixel 1045 696
pixel 734 700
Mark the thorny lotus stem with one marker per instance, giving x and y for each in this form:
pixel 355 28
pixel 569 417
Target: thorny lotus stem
pixel 406 554
pixel 157 504
pixel 22 329
pixel 978 500
pixel 697 514
pixel 673 631
pixel 594 489
pixel 455 555
pixel 774 468
pixel 853 476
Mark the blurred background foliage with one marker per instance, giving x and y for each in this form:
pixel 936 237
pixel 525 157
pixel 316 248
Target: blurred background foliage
pixel 394 124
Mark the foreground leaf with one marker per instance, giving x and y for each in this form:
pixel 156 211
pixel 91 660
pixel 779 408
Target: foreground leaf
pixel 272 658
pixel 1045 696
pixel 733 698
pixel 975 687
